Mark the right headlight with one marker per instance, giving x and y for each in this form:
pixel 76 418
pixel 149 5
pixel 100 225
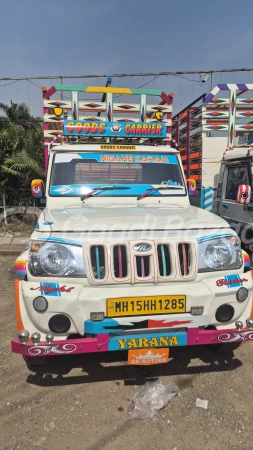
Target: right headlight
pixel 220 254
pixel 54 259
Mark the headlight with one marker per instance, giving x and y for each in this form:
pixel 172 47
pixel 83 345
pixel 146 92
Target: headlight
pixel 220 254
pixel 53 259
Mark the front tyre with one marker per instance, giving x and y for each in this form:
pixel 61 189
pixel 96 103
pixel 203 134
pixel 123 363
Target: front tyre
pixel 33 362
pixel 223 349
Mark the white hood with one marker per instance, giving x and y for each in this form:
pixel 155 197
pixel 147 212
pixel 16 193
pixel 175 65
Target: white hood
pixel 127 218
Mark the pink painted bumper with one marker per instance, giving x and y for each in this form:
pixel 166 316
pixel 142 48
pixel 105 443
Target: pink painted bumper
pixel 104 342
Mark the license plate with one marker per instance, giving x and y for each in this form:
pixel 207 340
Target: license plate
pixel 136 306
pixel 148 357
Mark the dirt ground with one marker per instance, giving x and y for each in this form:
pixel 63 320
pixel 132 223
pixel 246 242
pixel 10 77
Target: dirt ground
pixel 81 403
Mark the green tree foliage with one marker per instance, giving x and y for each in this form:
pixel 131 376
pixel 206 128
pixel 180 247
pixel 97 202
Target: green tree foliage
pixel 21 148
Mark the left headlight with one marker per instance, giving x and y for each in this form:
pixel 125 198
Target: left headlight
pixel 53 259
pixel 220 254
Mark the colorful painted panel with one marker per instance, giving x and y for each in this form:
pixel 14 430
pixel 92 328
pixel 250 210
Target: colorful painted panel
pixel 114 129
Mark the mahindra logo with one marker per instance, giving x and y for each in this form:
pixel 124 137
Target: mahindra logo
pixel 142 247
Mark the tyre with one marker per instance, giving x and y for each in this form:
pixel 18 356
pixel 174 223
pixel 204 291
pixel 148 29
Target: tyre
pixel 34 362
pixel 223 349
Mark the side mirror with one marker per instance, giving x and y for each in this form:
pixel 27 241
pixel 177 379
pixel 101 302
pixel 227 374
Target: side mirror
pixel 37 188
pixel 243 194
pixel 192 187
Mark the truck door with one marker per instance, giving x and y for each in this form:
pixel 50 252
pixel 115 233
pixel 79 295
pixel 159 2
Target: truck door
pixel 236 173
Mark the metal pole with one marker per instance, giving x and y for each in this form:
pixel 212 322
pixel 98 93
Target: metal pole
pixel 188 142
pixel 4 207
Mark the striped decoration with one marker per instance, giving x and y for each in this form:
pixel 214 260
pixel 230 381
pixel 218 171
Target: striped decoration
pixel 120 262
pixel 246 259
pixel 101 106
pixel 164 261
pixel 20 267
pixel 51 118
pixel 227 87
pixel 98 264
pixel 208 198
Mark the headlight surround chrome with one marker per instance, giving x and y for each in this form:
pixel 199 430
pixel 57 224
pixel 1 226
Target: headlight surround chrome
pixel 55 259
pixel 220 254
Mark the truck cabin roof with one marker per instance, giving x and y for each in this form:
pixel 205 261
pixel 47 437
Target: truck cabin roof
pixel 238 153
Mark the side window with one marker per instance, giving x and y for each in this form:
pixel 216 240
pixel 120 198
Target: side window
pixel 222 170
pixel 236 175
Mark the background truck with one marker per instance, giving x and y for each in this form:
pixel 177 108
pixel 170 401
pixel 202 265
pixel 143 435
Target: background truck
pixel 119 259
pixel 205 128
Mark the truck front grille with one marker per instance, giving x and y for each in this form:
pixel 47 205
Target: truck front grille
pixel 122 263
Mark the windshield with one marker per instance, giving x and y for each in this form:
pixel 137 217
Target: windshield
pixel 77 174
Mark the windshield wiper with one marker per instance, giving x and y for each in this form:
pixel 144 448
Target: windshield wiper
pixel 102 189
pixel 159 188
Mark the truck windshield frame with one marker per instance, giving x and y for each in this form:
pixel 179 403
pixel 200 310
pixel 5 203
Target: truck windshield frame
pixel 76 173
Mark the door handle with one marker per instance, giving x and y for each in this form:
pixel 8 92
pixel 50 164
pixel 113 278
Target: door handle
pixel 225 205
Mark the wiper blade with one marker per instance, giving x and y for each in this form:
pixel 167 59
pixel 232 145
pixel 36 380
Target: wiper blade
pixel 158 188
pixel 100 189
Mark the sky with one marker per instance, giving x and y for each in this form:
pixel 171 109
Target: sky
pixel 59 37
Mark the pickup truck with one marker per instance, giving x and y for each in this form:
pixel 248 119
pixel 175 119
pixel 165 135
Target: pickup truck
pixel 119 259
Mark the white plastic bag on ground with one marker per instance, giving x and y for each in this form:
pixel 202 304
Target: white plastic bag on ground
pixel 150 398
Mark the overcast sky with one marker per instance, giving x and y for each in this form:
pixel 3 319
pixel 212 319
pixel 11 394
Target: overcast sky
pixel 59 37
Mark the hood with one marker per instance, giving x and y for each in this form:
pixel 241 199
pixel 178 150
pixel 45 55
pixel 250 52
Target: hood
pixel 120 218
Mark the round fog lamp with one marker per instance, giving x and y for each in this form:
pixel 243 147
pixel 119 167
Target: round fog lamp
pixel 40 304
pixel 224 313
pixel 242 294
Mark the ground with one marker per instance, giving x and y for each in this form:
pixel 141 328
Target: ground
pixel 81 404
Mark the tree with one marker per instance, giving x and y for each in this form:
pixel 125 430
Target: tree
pixel 21 151
pixel 19 114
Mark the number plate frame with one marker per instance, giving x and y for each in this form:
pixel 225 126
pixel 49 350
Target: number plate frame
pixel 145 305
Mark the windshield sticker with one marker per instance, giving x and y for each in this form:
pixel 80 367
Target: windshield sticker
pixel 121 157
pixel 172 184
pixel 126 158
pixel 133 189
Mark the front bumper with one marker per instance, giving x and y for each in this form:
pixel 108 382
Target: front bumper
pixel 127 341
pixel 77 302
